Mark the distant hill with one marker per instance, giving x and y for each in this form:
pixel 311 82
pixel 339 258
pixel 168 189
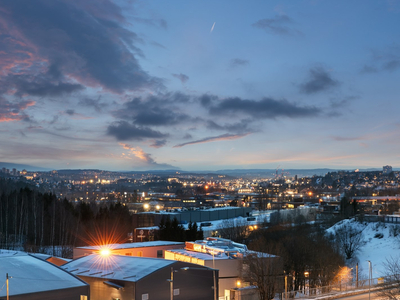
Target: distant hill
pixel 21 167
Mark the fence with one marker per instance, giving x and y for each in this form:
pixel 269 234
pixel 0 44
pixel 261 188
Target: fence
pixel 308 292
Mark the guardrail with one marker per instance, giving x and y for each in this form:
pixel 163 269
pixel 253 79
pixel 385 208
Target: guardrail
pixel 341 287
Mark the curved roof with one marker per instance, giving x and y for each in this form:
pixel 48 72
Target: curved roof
pixel 30 274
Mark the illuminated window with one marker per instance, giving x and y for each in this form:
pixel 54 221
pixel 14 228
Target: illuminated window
pixel 83 297
pixel 140 253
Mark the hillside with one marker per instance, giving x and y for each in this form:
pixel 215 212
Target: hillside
pixel 379 244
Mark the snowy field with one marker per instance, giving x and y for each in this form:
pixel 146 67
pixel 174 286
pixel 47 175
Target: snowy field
pixel 379 245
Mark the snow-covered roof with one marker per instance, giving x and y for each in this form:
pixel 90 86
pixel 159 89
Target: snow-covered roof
pixel 30 274
pixel 199 255
pixel 132 245
pixel 118 267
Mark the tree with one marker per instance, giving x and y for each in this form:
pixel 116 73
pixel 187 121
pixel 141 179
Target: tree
pixel 349 239
pixel 234 229
pixel 392 279
pixel 263 270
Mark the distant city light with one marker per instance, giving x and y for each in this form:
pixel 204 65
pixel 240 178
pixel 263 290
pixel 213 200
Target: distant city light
pixel 146 206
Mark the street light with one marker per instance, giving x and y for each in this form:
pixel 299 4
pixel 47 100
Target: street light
pixel 369 278
pixel 214 277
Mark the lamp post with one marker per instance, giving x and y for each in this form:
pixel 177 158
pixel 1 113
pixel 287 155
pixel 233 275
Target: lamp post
pixel 214 278
pixel 369 279
pixel 171 284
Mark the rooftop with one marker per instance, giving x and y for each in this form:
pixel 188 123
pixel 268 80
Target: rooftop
pixel 131 245
pixel 30 274
pixel 118 267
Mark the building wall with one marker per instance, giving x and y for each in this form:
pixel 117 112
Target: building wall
pixel 229 273
pixel 101 291
pixel 192 284
pixel 64 294
pixel 229 269
pixel 140 251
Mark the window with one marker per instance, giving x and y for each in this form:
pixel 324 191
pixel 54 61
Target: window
pixel 159 253
pixel 83 297
pixel 128 254
pixel 140 253
pixel 145 296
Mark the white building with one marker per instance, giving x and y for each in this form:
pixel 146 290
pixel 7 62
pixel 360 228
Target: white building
pixel 217 253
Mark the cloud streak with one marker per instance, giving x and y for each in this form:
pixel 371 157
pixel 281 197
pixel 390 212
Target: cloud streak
pixel 278 25
pixel 223 137
pixel 266 108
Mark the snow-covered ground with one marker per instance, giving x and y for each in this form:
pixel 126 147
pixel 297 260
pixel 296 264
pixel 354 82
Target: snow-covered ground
pixel 379 245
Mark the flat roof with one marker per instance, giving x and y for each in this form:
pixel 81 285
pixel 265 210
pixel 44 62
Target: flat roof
pixel 117 267
pixel 198 255
pixel 30 274
pixel 132 245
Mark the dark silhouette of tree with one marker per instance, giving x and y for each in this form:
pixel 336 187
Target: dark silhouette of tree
pixel 349 240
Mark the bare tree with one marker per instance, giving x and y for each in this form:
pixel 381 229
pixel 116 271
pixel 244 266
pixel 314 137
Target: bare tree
pixel 234 229
pixel 263 270
pixel 391 289
pixel 349 240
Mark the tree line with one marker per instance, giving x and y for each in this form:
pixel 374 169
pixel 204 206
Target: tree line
pixel 34 221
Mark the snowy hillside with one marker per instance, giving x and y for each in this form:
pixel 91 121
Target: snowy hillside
pixel 379 244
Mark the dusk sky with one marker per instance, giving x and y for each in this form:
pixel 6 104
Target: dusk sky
pixel 200 85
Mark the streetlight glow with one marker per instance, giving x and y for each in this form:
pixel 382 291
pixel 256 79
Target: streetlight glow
pixel 105 252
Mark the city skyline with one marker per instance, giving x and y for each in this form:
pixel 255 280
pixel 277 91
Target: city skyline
pixel 151 85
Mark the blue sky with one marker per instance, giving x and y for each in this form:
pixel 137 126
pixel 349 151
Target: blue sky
pixel 200 85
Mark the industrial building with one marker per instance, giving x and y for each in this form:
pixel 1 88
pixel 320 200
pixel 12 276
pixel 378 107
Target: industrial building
pixel 216 253
pixel 153 249
pixel 31 278
pixel 140 278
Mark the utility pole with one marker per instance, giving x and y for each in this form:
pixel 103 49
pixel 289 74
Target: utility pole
pixel 171 287
pixel 357 275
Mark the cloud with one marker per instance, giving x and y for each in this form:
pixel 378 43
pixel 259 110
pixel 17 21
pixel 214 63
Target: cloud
pixel 341 139
pixel 156 110
pixel 384 60
pixel 124 131
pixel 160 23
pixel 319 80
pixel 13 111
pixel 238 62
pixel 223 137
pixel 70 112
pixel 241 126
pixel 391 65
pixel 182 77
pixel 94 103
pixel 158 143
pixel 84 43
pixel 146 157
pixel 368 69
pixel 279 25
pixel 266 108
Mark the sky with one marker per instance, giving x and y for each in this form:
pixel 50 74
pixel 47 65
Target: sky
pixel 200 85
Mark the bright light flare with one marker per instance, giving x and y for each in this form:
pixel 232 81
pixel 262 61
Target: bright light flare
pixel 105 252
pixel 146 206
